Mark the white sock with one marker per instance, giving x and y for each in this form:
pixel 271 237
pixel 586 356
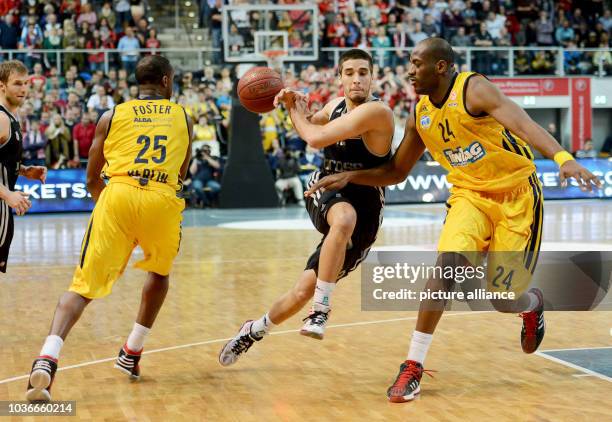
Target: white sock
pixel 534 302
pixel 53 345
pixel 262 326
pixel 322 295
pixel 136 339
pixel 418 346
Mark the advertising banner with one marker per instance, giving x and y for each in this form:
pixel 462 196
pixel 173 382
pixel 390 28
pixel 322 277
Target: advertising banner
pixel 64 190
pixel 427 183
pixel 581 112
pixel 519 87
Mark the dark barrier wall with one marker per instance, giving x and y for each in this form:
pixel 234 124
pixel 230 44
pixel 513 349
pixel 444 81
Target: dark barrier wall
pixel 247 179
pixel 65 189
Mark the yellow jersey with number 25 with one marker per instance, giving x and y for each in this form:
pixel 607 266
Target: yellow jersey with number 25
pixel 478 152
pixel 147 140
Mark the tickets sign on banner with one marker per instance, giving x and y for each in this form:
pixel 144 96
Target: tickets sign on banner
pixel 64 190
pixel 518 87
pixel 581 112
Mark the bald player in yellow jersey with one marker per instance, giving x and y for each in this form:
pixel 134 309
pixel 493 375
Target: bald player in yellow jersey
pixel 483 139
pixel 142 148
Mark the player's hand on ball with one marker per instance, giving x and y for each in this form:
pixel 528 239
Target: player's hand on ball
pixel 301 103
pixel 288 97
pixel 35 173
pixel 19 202
pixel 586 180
pixel 332 182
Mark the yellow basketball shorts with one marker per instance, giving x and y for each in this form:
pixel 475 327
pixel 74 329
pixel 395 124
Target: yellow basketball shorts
pixel 126 216
pixel 506 225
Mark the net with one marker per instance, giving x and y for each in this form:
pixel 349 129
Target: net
pixel 275 59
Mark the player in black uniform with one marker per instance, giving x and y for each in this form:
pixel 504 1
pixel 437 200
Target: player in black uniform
pixel 13 92
pixel 355 132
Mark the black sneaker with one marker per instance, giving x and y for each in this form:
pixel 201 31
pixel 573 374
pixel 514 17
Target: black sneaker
pixel 127 362
pixel 41 379
pixel 238 345
pixel 315 324
pixel 407 383
pixel 534 325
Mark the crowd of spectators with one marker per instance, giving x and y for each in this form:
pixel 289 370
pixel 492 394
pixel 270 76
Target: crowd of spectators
pixel 400 24
pixel 74 24
pixel 59 118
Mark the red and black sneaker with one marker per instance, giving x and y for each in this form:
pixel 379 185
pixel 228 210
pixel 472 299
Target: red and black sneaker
pixel 127 362
pixel 41 379
pixel 534 325
pixel 407 383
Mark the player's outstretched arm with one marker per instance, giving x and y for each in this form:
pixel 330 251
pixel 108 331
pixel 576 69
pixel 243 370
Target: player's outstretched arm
pixel 95 163
pixel 288 96
pixel 390 173
pixel 364 118
pixel 484 96
pixel 318 133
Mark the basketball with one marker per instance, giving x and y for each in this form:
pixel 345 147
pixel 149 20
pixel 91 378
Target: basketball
pixel 257 89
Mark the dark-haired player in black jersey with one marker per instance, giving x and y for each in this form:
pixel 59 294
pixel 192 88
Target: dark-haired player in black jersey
pixel 355 132
pixel 13 92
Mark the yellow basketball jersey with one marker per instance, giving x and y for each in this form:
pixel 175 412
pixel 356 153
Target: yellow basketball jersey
pixel 148 140
pixel 478 152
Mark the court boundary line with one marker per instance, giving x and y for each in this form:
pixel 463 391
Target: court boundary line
pixel 577 348
pixel 582 369
pixel 202 343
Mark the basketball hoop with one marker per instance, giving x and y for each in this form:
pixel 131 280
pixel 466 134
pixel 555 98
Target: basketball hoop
pixel 275 59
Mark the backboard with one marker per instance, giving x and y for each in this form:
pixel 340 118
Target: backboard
pixel 250 30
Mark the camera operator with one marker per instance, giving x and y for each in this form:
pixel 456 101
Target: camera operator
pixel 202 170
pixel 287 171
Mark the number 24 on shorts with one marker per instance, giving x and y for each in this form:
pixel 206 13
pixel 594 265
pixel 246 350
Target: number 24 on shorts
pixel 499 276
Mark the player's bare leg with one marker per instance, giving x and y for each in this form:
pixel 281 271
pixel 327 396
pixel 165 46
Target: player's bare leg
pixel 67 313
pixel 342 219
pixel 153 295
pixel 295 299
pixel 407 382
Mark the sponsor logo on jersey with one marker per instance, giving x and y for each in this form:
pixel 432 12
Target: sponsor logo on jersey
pixel 460 157
pixel 337 166
pixel 452 104
pixel 453 96
pixel 425 122
pixel 424 109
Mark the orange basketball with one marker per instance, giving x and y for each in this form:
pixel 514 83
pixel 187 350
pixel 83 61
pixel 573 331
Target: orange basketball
pixel 257 89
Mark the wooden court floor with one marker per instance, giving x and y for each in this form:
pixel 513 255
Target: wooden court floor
pixel 224 276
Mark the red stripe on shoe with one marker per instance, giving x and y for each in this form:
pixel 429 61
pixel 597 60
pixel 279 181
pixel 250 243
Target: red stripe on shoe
pixel 131 352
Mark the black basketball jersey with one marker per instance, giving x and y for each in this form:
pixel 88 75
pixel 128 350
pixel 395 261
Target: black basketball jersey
pixel 350 154
pixel 10 152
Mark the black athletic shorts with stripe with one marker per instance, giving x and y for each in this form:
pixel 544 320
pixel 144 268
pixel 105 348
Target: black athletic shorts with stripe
pixel 368 203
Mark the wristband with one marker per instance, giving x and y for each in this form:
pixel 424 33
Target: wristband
pixel 562 157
